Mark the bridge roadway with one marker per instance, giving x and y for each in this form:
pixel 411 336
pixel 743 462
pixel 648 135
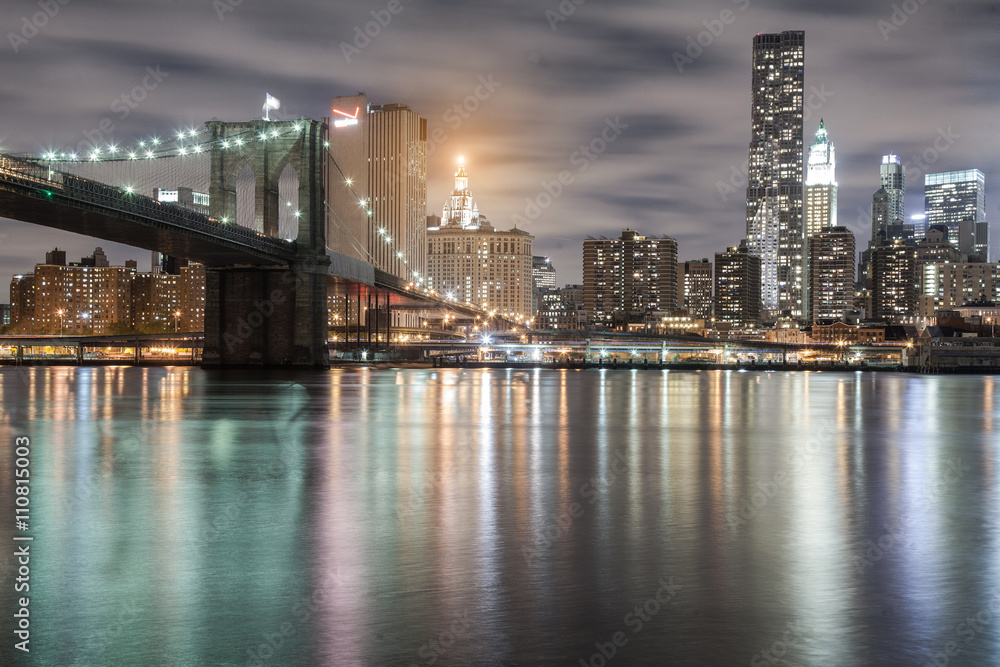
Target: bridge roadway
pixel 31 191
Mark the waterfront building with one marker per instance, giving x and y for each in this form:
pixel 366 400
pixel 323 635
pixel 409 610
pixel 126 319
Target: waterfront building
pixel 543 275
pixel 738 287
pixel 895 282
pixel 831 273
pixel 695 282
pixel 473 262
pixel 948 285
pixel 628 276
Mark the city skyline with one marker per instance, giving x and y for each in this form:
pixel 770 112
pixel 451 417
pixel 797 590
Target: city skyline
pixel 695 113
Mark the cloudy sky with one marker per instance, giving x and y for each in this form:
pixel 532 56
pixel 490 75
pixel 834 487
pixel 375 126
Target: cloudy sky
pixel 672 77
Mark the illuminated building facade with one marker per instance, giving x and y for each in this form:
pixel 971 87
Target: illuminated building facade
pixel 378 182
pixel 774 214
pixel 892 174
pixel 738 286
pixel 831 273
pixel 821 184
pixel 479 264
pixel 543 275
pixel 22 300
pixel 895 281
pixel 949 285
pixel 954 197
pixel 695 282
pixel 628 276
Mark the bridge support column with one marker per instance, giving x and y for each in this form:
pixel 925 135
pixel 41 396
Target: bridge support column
pixel 79 353
pixel 20 355
pixel 266 317
pixel 588 358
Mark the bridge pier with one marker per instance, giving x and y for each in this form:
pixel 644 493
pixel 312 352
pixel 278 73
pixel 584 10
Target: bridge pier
pixel 266 317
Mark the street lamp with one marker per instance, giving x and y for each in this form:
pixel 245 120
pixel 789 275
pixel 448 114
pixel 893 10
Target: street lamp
pixel 60 313
pixel 177 315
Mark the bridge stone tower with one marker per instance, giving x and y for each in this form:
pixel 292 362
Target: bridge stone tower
pixel 269 316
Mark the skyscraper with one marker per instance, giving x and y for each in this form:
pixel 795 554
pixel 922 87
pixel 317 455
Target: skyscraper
pixel 774 220
pixel 831 273
pixel 893 178
pixel 378 181
pixel 881 214
pixel 956 196
pixel 821 184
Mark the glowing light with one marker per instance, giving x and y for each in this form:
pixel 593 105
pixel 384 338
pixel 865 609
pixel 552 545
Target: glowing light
pixel 142 144
pixel 239 142
pixel 183 151
pixel 129 189
pixel 348 119
pixel 149 154
pixel 194 133
pixel 274 133
pixel 180 135
pixel 348 181
pixel 156 141
pixel 197 149
pixel 461 160
pixel 225 144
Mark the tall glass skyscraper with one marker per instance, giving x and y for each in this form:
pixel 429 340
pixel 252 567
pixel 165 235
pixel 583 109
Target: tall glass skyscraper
pixel 774 220
pixel 893 176
pixel 953 197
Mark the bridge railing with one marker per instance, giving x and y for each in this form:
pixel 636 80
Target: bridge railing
pixel 33 174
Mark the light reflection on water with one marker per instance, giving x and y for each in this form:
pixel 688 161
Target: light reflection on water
pixel 363 517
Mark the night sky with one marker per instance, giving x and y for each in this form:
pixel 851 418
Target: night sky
pixel 558 77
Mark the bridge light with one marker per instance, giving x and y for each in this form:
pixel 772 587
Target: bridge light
pixel 156 141
pixel 296 127
pixel 225 144
pixel 239 142
pixel 348 181
pixel 225 220
pixel 180 135
pixel 182 151
pixel 274 133
pixel 263 136
pixel 131 155
pixel 149 155
pixel 197 149
pixel 388 239
pixel 326 144
pixel 193 133
pixel 142 144
pixel 129 189
pixel 381 231
pixel 399 255
pixel 298 214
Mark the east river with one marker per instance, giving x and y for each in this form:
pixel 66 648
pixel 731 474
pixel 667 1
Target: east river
pixel 499 517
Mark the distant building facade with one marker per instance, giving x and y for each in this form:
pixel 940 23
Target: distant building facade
pixel 738 287
pixel 895 282
pixel 628 276
pixel 831 273
pixel 954 197
pixel 695 282
pixel 472 262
